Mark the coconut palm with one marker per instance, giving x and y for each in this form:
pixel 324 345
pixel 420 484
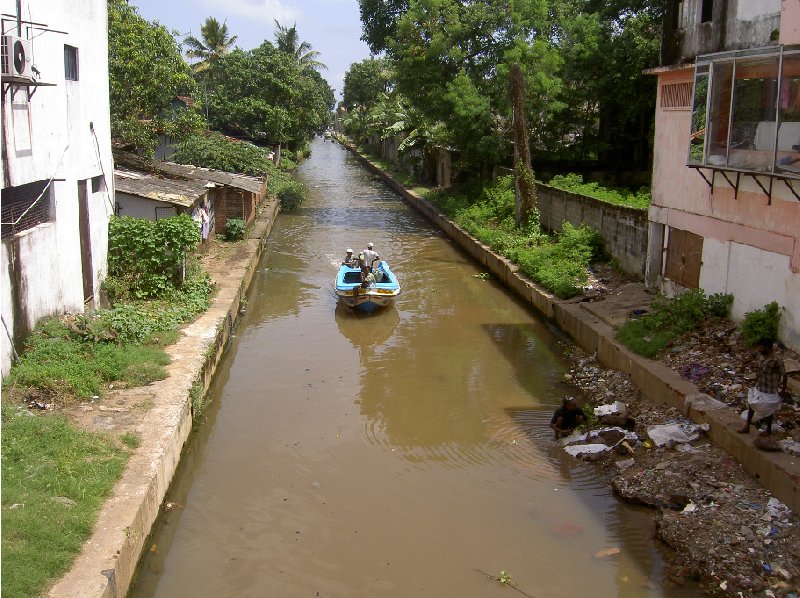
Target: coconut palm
pixel 288 40
pixel 215 42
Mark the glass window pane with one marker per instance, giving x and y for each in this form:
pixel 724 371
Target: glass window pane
pixel 697 138
pixel 788 158
pixel 753 122
pixel 721 84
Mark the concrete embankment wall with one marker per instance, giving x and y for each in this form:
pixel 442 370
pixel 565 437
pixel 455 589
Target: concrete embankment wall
pixel 106 566
pixel 777 472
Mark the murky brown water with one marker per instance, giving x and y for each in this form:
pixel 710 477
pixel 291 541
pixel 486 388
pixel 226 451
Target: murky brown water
pixel 389 455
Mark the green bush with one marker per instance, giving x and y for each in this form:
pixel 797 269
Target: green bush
pixel 761 324
pixel 719 305
pixel 234 229
pixel 292 194
pixel 562 267
pixel 670 318
pixel 216 151
pixel 147 257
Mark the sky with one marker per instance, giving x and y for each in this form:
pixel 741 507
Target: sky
pixel 332 27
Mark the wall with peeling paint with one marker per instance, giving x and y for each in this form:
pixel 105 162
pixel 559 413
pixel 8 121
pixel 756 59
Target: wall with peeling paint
pixel 61 131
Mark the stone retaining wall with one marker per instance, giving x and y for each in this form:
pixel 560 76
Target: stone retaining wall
pixel 623 229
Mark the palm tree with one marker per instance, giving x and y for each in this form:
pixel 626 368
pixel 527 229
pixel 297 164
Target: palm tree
pixel 215 43
pixel 288 40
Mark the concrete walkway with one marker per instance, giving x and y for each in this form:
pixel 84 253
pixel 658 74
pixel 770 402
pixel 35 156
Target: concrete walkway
pixel 108 560
pixel 591 326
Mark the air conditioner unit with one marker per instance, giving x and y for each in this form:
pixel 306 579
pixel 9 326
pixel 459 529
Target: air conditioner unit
pixel 16 58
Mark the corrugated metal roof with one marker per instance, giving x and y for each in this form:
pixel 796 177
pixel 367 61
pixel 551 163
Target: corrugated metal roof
pixel 176 192
pixel 229 179
pixel 127 160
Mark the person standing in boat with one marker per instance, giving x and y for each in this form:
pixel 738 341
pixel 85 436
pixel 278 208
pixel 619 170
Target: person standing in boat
pixel 370 255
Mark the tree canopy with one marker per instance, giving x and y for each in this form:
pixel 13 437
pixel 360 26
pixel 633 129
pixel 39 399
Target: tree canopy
pixel 581 61
pixel 267 95
pixel 146 71
pixel 365 81
pixel 287 40
pixel 214 42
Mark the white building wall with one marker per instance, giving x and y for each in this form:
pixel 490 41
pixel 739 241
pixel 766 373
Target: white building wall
pixel 63 132
pixel 139 207
pixel 763 280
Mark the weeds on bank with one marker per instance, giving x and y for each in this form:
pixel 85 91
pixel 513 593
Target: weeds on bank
pixel 560 263
pixel 54 480
pixel 668 319
pixel 54 477
pixel 621 197
pixel 80 355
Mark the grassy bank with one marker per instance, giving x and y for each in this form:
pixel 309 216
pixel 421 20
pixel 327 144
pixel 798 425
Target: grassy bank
pixel 55 479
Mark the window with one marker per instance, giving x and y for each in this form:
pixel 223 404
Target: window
pixel 26 206
pixel 676 95
pixel 70 63
pixel 746 111
pixel 707 11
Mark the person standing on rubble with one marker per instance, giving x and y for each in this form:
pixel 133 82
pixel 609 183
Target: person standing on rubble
pixel 765 398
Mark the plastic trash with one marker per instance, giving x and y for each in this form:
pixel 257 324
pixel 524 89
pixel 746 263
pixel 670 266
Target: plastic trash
pixel 675 433
pixel 615 408
pixel 586 449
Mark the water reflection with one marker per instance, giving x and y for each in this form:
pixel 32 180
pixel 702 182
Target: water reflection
pixel 392 454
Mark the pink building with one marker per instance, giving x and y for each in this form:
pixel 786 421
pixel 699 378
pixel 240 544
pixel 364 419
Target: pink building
pixel 725 215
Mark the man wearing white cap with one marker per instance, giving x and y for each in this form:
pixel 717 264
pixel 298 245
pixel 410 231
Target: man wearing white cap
pixel 370 255
pixel 349 260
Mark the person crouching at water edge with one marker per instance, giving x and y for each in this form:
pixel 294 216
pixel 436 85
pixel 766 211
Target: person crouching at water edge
pixel 568 417
pixel 765 398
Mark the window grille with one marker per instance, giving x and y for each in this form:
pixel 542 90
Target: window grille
pixel 676 95
pixel 26 206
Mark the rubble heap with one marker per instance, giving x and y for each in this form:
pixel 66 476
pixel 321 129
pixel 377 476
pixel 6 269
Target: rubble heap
pixel 728 533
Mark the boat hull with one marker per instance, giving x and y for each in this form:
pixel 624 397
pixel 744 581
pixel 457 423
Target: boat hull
pixel 350 292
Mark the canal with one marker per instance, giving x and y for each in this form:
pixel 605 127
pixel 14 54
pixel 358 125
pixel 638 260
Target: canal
pixel 400 454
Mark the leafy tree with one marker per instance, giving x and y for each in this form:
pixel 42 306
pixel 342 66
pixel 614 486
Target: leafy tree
pixel 146 70
pixel 288 40
pixel 267 95
pixel 365 81
pixel 379 21
pixel 215 43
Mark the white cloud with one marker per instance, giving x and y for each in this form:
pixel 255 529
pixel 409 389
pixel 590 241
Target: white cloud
pixel 266 11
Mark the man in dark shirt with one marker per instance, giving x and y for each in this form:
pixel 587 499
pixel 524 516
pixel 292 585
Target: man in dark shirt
pixel 567 418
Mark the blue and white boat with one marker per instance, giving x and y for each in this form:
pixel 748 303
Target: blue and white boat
pixel 382 293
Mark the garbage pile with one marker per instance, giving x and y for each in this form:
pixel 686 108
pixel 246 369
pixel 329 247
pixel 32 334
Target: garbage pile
pixel 729 535
pixel 716 360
